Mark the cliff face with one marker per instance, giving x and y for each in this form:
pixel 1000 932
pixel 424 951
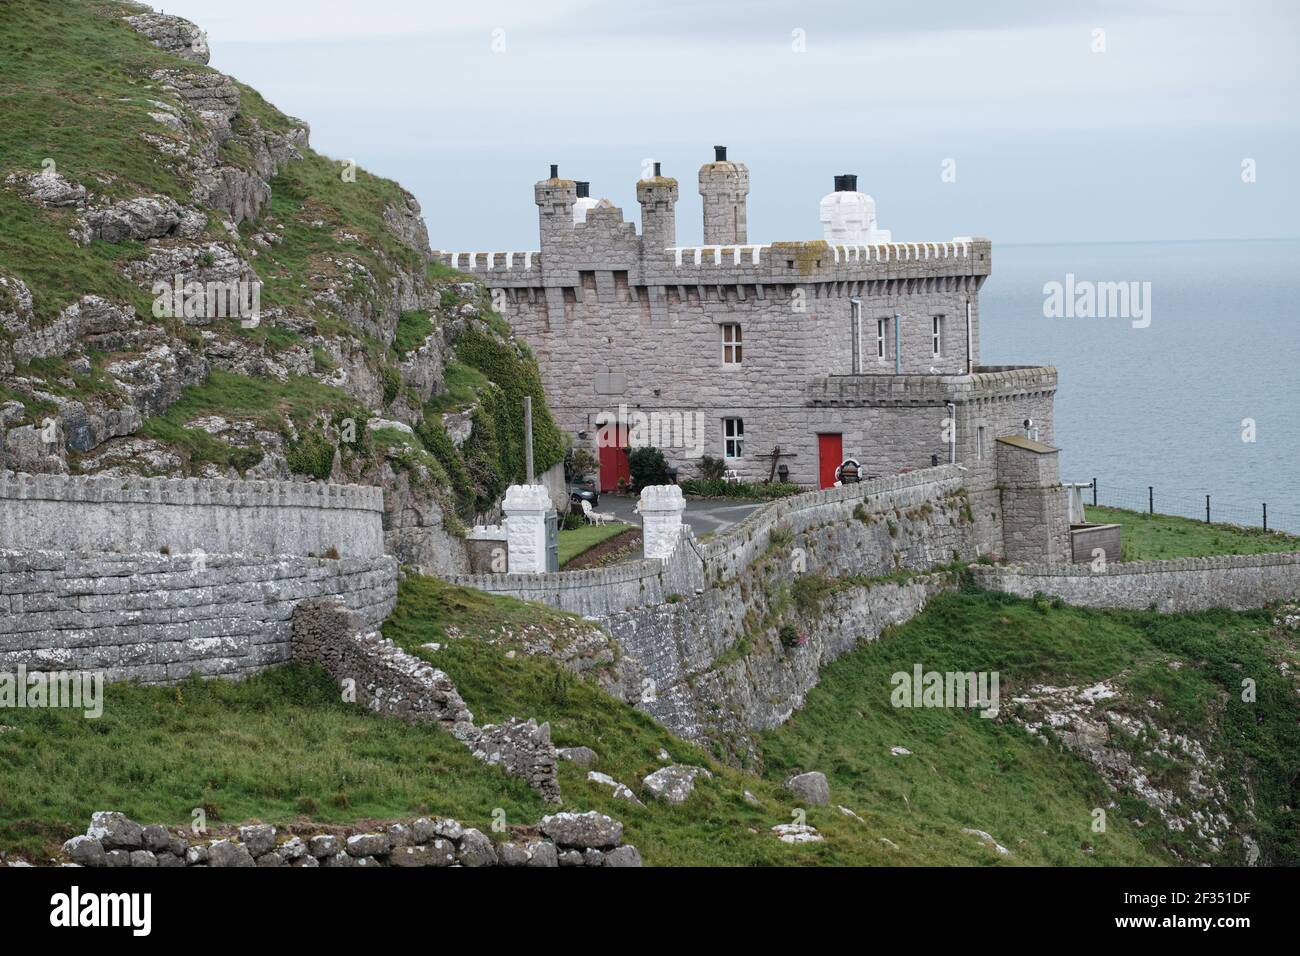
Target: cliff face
pixel 188 289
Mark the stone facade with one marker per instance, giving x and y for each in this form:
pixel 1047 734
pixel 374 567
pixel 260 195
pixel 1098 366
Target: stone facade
pixel 661 510
pixel 624 321
pixel 529 511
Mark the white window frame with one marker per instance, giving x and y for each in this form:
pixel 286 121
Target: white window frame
pixel 937 340
pixel 733 343
pixel 733 438
pixel 882 329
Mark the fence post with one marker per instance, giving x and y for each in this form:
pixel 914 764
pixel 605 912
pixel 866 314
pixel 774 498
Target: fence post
pixel 1094 492
pixel 1266 516
pixel 1207 509
pixel 1151 499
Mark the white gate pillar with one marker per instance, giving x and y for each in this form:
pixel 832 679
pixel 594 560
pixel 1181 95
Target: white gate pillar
pixel 526 508
pixel 661 510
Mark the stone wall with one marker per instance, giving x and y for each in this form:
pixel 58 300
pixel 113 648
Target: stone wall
pixel 1239 582
pixel 389 681
pixel 148 515
pixel 566 839
pixel 157 618
pixel 702 627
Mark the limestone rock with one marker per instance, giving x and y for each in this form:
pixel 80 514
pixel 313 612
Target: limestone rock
pixel 367 844
pixel 258 838
pixel 228 853
pixel 987 840
pixel 115 831
pixel 797 833
pixel 812 788
pixel 583 830
pixel 323 846
pixel 156 837
pixel 86 851
pixel 174 34
pixel 543 854
pixel 674 783
pixel 48 188
pixel 621 791
pixel 143 858
pixel 626 855
pixel 476 850
pixel 584 757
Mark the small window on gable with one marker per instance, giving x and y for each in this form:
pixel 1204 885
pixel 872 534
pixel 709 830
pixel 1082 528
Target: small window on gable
pixel 731 344
pixel 938 335
pixel 882 328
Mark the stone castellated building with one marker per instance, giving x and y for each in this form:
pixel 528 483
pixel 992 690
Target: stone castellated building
pixel 783 358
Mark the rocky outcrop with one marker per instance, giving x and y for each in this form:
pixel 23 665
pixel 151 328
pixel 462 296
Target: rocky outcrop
pixel 674 783
pixel 176 35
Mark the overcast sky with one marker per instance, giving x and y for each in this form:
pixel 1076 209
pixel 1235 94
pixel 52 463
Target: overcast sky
pixel 466 104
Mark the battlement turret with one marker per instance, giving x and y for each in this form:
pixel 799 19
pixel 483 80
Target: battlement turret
pixel 555 198
pixel 723 186
pixel 658 198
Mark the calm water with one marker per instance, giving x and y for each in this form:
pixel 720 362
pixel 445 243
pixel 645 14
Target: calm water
pixel 1164 405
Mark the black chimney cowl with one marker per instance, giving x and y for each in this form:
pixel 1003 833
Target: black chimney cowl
pixel 584 189
pixel 658 168
pixel 555 170
pixel 850 181
pixel 719 154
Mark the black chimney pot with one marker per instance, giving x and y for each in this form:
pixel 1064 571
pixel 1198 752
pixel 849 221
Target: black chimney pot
pixel 719 154
pixel 850 182
pixel 657 170
pixel 839 184
pixel 584 189
pixel 555 170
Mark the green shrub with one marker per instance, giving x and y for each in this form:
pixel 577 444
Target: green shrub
pixel 391 379
pixel 312 454
pixel 712 469
pixel 648 467
pixel 717 488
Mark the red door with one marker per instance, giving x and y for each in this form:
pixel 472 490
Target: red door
pixel 612 442
pixel 830 453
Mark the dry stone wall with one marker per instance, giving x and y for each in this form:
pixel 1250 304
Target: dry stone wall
pixel 567 839
pixel 1239 582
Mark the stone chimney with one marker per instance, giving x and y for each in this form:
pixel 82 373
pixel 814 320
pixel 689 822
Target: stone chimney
pixel 724 186
pixel 555 198
pixel 658 198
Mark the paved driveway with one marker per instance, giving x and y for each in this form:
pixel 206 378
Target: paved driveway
pixel 703 516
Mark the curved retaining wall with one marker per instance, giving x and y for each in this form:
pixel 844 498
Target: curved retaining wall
pixel 157 619
pixel 1239 582
pixel 599 592
pixel 146 515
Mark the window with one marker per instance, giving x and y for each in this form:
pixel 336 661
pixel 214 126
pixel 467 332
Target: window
pixel 938 335
pixel 733 437
pixel 731 347
pixel 882 326
pixel 855 330
pixel 979 443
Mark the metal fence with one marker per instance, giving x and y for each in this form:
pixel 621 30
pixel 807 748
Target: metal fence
pixel 1208 508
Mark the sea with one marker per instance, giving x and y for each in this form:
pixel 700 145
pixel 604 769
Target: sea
pixel 1195 393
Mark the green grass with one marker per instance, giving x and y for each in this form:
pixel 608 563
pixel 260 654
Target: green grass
pixel 284 746
pixel 277 747
pixel 967 771
pixel 412 329
pixel 581 540
pixel 1158 537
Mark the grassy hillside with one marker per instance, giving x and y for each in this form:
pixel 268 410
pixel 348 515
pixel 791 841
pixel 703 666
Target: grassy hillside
pixel 84 95
pixel 1147 537
pixel 283 746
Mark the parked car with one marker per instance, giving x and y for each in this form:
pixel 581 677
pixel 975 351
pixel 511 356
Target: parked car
pixel 580 491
